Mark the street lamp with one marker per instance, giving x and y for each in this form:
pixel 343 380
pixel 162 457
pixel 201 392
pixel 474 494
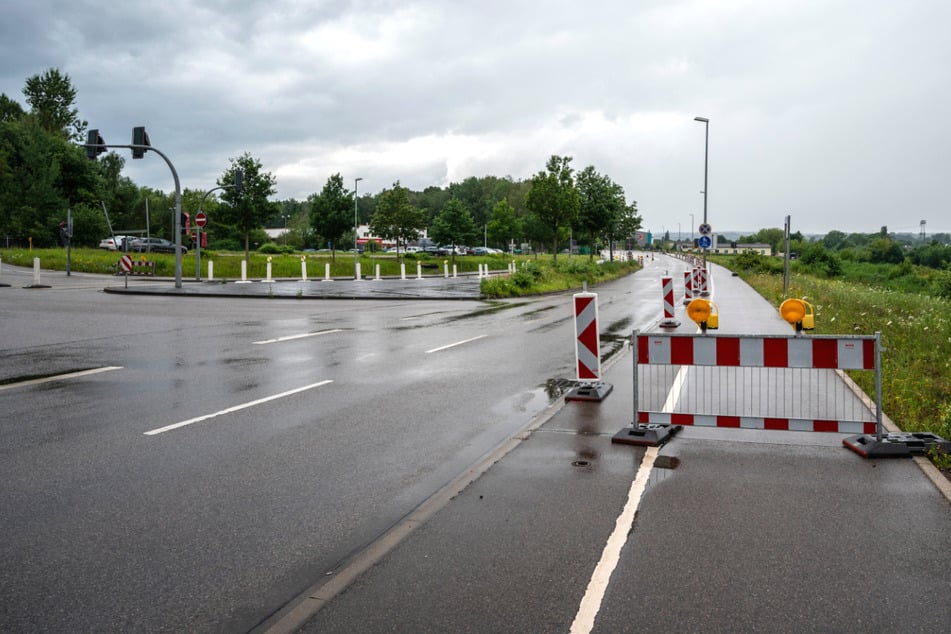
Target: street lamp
pixel 691 229
pixel 355 250
pixel 706 154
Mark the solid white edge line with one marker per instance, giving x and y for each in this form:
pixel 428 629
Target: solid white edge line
pixel 236 408
pixel 60 377
pixel 597 587
pixel 292 337
pixel 453 345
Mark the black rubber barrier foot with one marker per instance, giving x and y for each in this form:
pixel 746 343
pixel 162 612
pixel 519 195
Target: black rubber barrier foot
pixel 895 445
pixel 589 391
pixel 649 435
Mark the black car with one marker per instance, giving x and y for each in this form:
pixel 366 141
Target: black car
pixel 154 245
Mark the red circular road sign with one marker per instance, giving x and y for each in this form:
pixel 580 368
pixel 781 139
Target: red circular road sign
pixel 201 219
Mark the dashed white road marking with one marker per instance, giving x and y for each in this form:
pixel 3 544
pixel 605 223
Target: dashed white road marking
pixel 458 343
pixel 236 408
pixel 60 377
pixel 293 337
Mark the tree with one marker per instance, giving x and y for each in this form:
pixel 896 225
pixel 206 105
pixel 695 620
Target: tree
pixel 626 225
pixel 453 225
pixel 601 205
pixel 249 209
pixel 51 97
pixel 9 109
pixel 330 212
pixel 503 226
pixel 395 218
pixel 553 197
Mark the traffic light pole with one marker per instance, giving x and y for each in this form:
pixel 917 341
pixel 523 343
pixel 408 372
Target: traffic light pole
pixel 137 147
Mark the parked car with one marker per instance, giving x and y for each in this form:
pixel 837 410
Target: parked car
pixel 114 243
pixel 155 245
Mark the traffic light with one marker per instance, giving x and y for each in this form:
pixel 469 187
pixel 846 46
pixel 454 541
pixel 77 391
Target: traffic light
pixel 238 181
pixel 93 139
pixel 139 137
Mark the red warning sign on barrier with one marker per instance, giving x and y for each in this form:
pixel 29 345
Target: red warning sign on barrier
pixel 587 338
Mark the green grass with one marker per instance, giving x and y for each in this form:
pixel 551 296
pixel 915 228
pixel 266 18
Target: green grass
pixel 915 331
pixel 542 275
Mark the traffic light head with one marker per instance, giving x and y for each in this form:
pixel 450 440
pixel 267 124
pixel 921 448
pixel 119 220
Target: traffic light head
pixel 92 141
pixel 238 181
pixel 139 138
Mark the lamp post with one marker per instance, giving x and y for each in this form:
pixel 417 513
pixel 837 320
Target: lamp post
pixel 355 249
pixel 706 154
pixel 691 230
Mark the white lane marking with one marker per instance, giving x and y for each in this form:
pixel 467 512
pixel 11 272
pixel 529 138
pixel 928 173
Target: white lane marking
pixel 458 343
pixel 60 377
pixel 292 337
pixel 236 408
pixel 594 595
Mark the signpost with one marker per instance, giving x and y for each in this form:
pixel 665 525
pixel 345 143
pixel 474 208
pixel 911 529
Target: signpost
pixel 200 221
pixel 126 262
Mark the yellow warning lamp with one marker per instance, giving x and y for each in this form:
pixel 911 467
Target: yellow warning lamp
pixel 799 313
pixel 704 313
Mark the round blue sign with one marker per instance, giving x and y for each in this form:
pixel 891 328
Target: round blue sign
pixel 704 242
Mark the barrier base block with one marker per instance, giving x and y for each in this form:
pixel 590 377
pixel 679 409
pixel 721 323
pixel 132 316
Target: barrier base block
pixel 646 435
pixel 591 391
pixel 895 444
pixel 670 323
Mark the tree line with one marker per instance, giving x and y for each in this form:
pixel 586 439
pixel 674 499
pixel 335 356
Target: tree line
pixel 44 173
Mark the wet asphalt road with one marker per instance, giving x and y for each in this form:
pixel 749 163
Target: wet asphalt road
pixel 217 525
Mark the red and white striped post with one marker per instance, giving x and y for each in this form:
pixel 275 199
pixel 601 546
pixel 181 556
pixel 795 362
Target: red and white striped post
pixel 688 286
pixel 587 351
pixel 669 321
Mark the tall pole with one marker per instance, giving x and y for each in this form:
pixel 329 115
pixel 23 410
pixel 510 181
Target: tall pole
pixel 706 155
pixel 355 250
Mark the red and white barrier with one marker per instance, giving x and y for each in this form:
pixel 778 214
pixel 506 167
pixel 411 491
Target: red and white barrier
pixel 844 353
pixel 667 284
pixel 587 351
pixel 754 422
pixel 587 338
pixel 688 286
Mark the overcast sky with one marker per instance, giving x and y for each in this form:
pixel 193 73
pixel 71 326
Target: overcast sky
pixel 835 112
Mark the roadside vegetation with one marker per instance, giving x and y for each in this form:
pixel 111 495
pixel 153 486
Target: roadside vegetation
pixel 908 303
pixel 536 276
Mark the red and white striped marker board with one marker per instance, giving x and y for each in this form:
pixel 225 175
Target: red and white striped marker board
pixel 844 353
pixel 587 337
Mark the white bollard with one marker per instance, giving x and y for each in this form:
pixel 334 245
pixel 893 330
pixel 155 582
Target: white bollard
pixel 377 278
pixel 303 268
pixel 359 271
pixel 445 268
pixel 211 270
pixel 419 270
pixel 327 272
pixel 455 271
pixel 402 270
pixel 244 272
pixel 36 271
pixel 268 280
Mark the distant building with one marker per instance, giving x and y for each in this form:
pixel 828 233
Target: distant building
pixel 735 248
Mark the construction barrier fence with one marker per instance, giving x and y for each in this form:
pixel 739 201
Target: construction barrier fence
pixel 756 382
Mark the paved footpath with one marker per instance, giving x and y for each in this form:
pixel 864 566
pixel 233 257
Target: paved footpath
pixel 736 530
